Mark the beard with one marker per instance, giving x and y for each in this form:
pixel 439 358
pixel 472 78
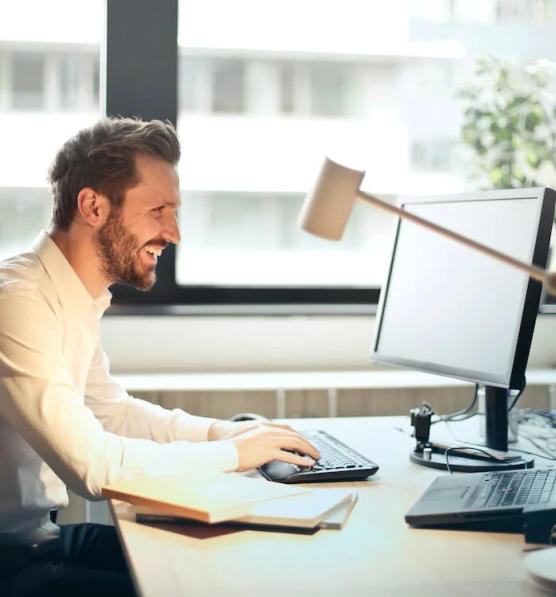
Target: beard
pixel 119 254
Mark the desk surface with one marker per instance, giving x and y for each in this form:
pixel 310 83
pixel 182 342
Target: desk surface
pixel 375 553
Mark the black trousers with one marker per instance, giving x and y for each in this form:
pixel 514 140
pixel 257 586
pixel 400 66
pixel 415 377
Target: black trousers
pixel 86 560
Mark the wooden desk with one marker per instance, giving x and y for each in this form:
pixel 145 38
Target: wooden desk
pixel 374 554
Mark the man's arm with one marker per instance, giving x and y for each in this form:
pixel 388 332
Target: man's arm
pixel 125 415
pixel 128 416
pixel 39 399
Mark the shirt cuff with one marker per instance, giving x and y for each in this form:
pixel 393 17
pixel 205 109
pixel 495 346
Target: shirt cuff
pixel 221 455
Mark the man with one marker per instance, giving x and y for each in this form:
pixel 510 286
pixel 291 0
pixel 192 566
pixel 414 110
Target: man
pixel 63 421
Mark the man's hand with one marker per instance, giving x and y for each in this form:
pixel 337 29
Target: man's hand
pixel 258 443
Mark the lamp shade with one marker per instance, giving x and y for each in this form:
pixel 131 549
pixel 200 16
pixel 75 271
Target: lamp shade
pixel 328 206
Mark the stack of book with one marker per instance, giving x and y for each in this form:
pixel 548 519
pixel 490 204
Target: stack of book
pixel 231 498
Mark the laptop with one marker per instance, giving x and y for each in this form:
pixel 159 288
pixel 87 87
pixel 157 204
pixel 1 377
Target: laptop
pixel 493 501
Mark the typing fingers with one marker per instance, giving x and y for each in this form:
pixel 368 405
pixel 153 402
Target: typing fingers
pixel 263 444
pixel 293 458
pixel 295 443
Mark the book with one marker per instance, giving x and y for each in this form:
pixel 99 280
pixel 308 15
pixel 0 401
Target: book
pixel 304 511
pixel 338 517
pixel 209 498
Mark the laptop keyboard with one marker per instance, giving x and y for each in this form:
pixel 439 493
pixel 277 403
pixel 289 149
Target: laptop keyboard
pixel 516 488
pixel 337 462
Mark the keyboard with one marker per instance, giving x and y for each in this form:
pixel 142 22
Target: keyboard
pixel 338 462
pixel 517 488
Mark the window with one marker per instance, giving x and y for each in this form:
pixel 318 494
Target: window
pixel 432 155
pixel 27 210
pixel 287 88
pixel 329 87
pixel 260 101
pixel 378 94
pixel 28 81
pixel 70 81
pixel 228 86
pixel 49 70
pixel 190 81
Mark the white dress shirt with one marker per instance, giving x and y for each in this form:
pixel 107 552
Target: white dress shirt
pixel 63 420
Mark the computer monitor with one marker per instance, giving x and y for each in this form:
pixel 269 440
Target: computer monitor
pixel 450 310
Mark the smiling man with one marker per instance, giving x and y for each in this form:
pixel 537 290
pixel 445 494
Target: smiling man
pixel 64 422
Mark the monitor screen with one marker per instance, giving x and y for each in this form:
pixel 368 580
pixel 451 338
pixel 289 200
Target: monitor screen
pixel 448 309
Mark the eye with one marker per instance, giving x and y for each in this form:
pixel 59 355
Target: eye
pixel 158 209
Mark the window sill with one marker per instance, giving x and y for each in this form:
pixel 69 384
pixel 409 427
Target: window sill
pixel 241 310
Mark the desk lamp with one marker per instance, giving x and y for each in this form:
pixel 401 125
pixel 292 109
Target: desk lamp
pixel 326 210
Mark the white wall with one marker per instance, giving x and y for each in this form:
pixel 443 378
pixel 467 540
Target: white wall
pixel 253 343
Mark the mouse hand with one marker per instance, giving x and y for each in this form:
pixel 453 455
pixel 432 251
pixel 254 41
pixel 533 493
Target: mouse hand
pixel 273 442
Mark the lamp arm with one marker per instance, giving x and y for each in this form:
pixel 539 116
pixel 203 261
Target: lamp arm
pixel 534 271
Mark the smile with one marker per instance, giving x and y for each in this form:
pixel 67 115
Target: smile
pixel 157 252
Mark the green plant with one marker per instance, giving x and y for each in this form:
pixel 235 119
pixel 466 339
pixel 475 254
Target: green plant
pixel 509 122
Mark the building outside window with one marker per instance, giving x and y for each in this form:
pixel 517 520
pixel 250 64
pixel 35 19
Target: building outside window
pixel 28 74
pixel 378 94
pixel 49 89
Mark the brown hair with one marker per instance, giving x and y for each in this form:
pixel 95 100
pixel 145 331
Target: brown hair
pixel 103 157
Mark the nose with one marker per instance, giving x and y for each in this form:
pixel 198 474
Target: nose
pixel 171 231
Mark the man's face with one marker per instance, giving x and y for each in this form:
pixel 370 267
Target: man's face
pixel 135 234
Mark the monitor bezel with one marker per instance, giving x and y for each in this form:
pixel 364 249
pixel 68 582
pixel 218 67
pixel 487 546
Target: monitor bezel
pixel 546 198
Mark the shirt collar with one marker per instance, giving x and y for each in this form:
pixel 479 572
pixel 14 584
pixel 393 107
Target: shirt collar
pixel 71 290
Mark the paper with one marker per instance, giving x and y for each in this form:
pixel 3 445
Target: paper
pixel 304 511
pixel 338 517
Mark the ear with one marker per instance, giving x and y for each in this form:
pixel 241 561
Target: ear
pixel 93 207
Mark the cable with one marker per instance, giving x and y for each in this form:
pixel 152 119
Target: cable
pixel 467 409
pixel 453 448
pixel 545 455
pixel 537 427
pixel 534 453
pixel 464 413
pixel 401 430
pixel 460 415
pixel 518 396
pixel 546 419
pixel 543 417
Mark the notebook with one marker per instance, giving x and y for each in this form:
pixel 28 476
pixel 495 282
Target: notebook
pixel 211 497
pixel 322 507
pixel 489 501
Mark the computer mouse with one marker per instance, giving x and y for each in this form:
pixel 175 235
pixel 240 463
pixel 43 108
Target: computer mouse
pixel 248 417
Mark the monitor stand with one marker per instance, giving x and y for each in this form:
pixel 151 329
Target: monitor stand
pixel 462 458
pixel 466 463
